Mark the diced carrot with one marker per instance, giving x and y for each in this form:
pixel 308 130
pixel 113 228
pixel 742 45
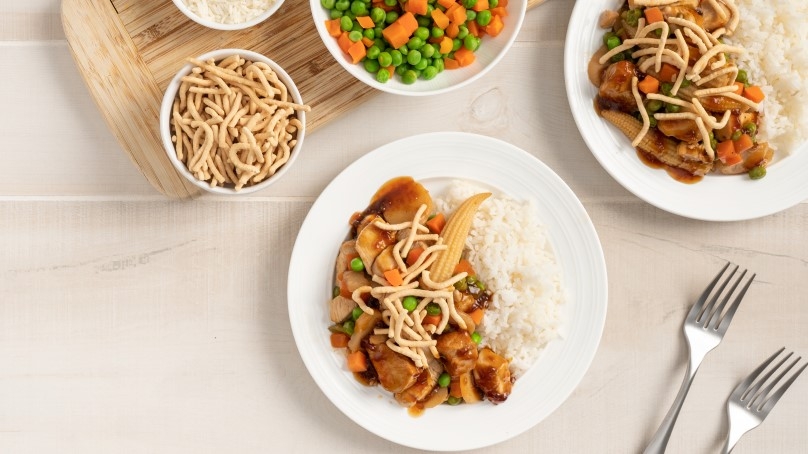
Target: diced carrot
pixel 726 152
pixel 739 86
pixel 413 255
pixel 464 56
pixel 668 73
pixel 365 21
pixel 395 35
pixel 357 362
pixel 452 30
pixel 339 340
pixel 344 42
pixel 393 277
pixel 473 29
pixel 408 21
pixel 458 15
pixel 743 144
pixel 436 224
pixel 343 289
pixel 357 51
pixel 446 45
pixel 480 5
pixel 416 7
pixel 441 19
pixel 431 320
pixel 653 15
pixel 450 63
pixel 495 27
pixel 454 387
pixel 477 315
pixel 333 27
pixel 500 11
pixel 649 85
pixel 367 41
pixel 464 266
pixel 451 9
pixel 753 93
pixel 502 4
pixel 446 3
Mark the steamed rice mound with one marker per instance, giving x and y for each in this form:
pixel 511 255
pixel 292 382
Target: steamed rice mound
pixel 510 251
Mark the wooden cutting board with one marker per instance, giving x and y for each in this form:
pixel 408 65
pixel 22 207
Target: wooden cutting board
pixel 128 51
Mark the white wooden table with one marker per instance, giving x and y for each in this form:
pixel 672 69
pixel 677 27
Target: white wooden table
pixel 133 323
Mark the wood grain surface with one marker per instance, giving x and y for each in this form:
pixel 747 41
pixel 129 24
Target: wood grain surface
pixel 128 51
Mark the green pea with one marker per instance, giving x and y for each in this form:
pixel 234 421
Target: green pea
pixel 409 303
pixel 335 292
pixel 631 16
pixel 397 58
pixel 439 65
pixel 355 36
pixel 742 77
pixel 672 108
pixel 328 4
pixel 413 57
pixel 371 66
pixel 373 52
pixel 456 44
pixel 654 105
pixel 409 76
pixel 666 88
pixel 757 172
pixel 468 4
pixel 444 380
pixel 750 128
pixel 476 338
pixel 653 122
pixel 423 21
pixel 613 42
pixel 471 42
pixel 383 75
pixel 404 49
pixel 484 17
pixel 345 23
pixel 422 33
pixel 415 43
pixel 377 15
pixel 379 42
pixel 391 2
pixel 342 5
pixel 452 400
pixel 348 327
pixel 422 64
pixel 428 51
pixel 463 31
pixel 390 17
pixel 357 28
pixel 437 32
pixel 356 312
pixel 385 59
pixel 433 309
pixel 369 33
pixel 359 8
pixel 401 69
pixel 357 264
pixel 335 14
pixel 713 143
pixel 461 285
pixel 493 3
pixel 607 36
pixel 471 14
pixel 736 135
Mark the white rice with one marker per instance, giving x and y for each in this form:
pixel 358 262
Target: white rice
pixel 228 11
pixel 775 36
pixel 509 249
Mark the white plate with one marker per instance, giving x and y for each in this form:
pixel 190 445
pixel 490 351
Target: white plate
pixel 435 159
pixel 716 197
pixel 490 52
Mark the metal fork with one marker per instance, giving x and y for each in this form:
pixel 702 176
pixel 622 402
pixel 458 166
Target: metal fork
pixel 750 403
pixel 704 327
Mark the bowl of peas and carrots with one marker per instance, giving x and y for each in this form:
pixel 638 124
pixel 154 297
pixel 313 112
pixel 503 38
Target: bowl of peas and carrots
pixel 418 47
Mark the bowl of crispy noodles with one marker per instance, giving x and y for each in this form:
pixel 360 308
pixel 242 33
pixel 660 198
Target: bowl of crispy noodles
pixel 232 121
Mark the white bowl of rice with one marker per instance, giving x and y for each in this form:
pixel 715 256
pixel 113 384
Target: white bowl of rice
pixel 228 14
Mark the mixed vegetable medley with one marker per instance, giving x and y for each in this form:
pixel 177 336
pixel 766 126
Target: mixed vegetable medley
pixel 412 38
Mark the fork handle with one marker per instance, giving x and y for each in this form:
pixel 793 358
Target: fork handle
pixel 663 434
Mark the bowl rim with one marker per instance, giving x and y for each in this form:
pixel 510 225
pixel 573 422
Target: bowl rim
pixel 517 13
pixel 228 27
pixel 167 103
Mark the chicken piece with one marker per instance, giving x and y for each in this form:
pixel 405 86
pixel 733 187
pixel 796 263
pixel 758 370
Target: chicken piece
pixel 693 152
pixel 352 280
pixel 615 88
pixel 422 387
pixel 347 252
pixel 398 200
pixel 384 262
pixel 492 376
pixel 759 155
pixel 714 18
pixel 340 308
pixel 463 301
pixel 396 372
pixel 684 10
pixel 684 130
pixel 608 18
pixel 371 241
pixel 458 351
pixel 363 327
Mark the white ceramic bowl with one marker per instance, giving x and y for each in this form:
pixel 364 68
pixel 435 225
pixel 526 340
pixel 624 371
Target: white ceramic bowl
pixel 165 121
pixel 490 52
pixel 221 26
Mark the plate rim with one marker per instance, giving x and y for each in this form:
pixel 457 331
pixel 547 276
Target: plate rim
pixel 597 269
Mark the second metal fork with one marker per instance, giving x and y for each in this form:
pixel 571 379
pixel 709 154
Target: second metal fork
pixel 704 327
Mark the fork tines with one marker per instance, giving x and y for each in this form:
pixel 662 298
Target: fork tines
pixel 712 311
pixel 757 392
